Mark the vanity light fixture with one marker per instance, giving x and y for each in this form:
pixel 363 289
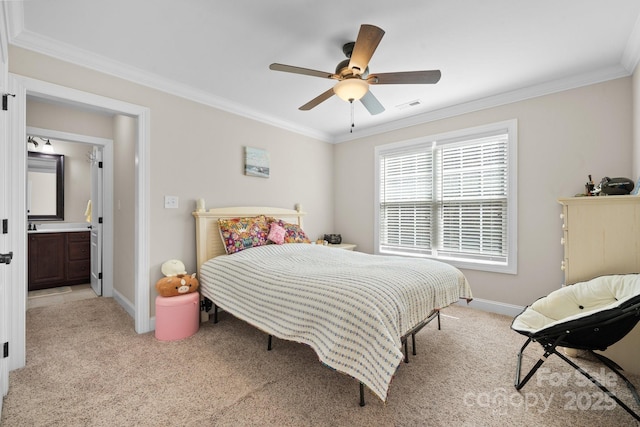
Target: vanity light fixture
pixel 46 148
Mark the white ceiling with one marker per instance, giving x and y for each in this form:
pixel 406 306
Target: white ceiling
pixel 490 52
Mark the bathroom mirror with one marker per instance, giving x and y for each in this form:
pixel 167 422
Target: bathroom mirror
pixel 45 187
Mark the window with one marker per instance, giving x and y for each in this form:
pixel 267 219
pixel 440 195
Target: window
pixel 451 197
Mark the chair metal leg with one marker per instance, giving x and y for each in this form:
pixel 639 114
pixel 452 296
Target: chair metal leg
pixel 600 386
pixel 615 368
pixel 531 372
pixel 551 349
pixel 519 365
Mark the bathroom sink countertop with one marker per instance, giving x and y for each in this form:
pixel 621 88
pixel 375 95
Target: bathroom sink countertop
pixel 58 230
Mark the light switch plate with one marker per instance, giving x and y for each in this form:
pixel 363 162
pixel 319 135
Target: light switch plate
pixel 171 202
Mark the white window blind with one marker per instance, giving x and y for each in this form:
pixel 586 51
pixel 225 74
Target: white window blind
pixel 406 201
pixel 450 198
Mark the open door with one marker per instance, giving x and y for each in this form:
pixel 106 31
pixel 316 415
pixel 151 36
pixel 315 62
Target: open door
pixel 5 250
pixel 96 220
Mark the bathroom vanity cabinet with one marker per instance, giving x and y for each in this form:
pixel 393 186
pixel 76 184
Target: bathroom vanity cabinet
pixel 59 259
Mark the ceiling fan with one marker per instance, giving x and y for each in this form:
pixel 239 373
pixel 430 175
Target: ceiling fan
pixel 353 73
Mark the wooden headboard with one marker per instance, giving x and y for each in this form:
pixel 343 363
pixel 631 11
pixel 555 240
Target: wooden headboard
pixel 208 241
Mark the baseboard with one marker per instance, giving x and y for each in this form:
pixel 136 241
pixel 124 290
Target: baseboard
pixel 130 308
pixel 496 307
pixel 125 303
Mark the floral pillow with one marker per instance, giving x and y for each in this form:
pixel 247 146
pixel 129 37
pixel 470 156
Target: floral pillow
pixel 276 233
pixel 293 233
pixel 243 233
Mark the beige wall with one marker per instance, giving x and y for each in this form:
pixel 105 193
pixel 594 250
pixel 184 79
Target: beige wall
pixel 197 152
pixel 63 118
pixel 562 138
pixel 124 142
pixel 636 125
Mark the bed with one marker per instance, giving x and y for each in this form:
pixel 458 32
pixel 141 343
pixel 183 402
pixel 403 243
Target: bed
pixel 354 309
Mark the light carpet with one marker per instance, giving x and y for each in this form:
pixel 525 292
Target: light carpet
pixel 86 366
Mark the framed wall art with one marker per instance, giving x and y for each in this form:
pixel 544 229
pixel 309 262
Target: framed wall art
pixel 256 162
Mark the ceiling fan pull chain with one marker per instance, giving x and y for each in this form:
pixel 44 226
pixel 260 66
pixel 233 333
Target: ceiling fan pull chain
pixel 352 124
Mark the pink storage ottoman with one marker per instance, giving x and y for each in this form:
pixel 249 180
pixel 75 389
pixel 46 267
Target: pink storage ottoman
pixel 177 317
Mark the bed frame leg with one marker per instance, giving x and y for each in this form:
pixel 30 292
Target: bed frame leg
pixel 413 344
pixel 361 394
pixel 406 351
pixel 269 343
pixel 215 313
pixel 439 320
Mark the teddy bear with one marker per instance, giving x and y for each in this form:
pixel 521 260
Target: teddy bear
pixel 176 281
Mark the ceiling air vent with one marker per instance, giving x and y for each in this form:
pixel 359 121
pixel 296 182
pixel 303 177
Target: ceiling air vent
pixel 409 104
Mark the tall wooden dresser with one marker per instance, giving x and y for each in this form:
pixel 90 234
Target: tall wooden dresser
pixel 601 235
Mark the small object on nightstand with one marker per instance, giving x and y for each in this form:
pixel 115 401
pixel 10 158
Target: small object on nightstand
pixel 334 239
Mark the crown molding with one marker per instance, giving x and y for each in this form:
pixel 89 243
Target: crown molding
pixel 492 101
pixel 20 37
pixel 631 54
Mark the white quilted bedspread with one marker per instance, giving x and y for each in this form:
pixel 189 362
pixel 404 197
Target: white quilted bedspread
pixel 351 308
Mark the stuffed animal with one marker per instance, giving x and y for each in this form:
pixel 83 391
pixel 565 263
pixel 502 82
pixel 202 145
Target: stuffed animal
pixel 176 281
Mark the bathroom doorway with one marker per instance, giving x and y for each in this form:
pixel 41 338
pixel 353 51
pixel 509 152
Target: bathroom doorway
pixel 139 118
pixel 88 191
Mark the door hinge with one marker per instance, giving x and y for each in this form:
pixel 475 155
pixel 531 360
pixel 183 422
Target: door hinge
pixel 5 350
pixel 99 165
pixel 5 226
pixel 100 276
pixel 5 98
pixel 6 258
pixel 100 220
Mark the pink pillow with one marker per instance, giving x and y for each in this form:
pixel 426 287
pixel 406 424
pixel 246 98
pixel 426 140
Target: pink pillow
pixel 276 233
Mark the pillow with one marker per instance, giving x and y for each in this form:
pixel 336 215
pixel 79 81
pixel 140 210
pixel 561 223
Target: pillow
pixel 293 233
pixel 276 233
pixel 242 233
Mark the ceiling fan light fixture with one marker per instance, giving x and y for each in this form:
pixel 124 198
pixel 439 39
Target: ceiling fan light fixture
pixel 351 89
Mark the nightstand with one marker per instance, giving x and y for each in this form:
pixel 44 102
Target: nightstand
pixel 345 246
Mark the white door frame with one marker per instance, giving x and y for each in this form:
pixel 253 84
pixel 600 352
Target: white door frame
pixel 22 86
pixel 107 224
pixel 5 184
pixel 99 258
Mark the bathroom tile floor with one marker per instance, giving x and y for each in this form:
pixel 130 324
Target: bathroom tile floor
pixel 57 295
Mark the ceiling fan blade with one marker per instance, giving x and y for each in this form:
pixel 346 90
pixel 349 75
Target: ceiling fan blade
pixel 368 39
pixel 300 70
pixel 406 77
pixel 372 104
pixel 317 100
